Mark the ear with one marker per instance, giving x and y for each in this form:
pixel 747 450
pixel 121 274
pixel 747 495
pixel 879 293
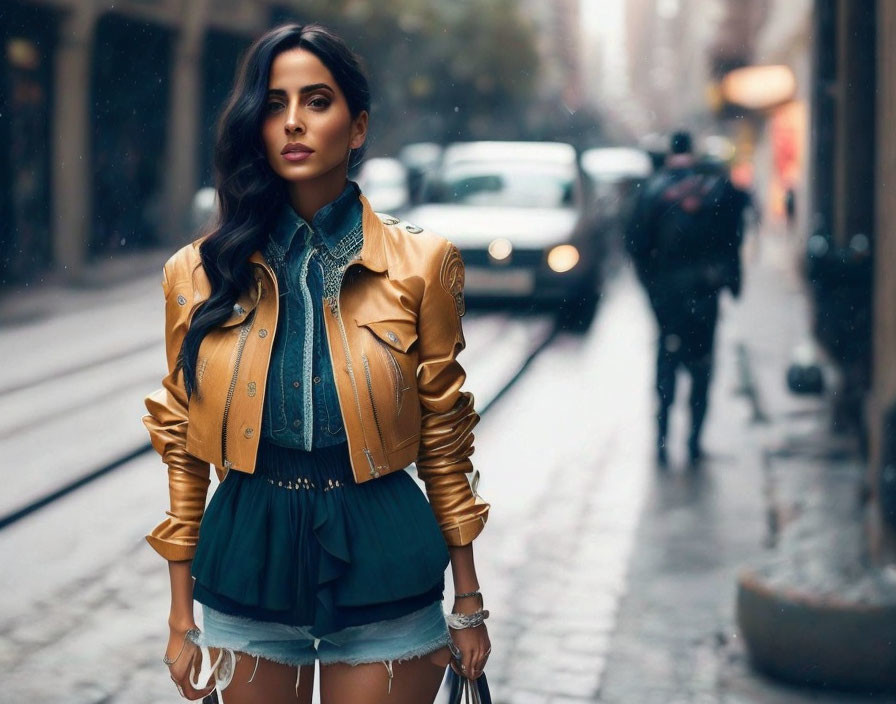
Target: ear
pixel 359 130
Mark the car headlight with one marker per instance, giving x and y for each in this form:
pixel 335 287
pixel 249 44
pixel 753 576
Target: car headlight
pixel 500 249
pixel 563 257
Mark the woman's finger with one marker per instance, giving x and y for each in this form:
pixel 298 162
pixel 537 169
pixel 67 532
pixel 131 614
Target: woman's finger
pixel 468 660
pixel 183 676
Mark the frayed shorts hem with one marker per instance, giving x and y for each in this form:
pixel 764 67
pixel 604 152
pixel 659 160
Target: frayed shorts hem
pixel 260 653
pixel 417 652
pixel 414 635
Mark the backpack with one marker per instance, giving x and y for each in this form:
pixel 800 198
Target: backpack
pixel 685 234
pixel 689 215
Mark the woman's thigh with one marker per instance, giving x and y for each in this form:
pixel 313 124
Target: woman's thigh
pixel 271 682
pixel 414 681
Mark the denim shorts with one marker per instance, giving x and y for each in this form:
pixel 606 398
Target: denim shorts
pixel 418 633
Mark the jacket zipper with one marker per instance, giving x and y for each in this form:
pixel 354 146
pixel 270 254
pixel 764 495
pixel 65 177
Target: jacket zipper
pixel 336 311
pixel 376 415
pixel 244 333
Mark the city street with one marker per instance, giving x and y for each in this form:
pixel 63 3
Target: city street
pixel 586 607
pixel 723 167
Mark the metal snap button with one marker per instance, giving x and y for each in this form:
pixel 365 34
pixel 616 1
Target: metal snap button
pixel 181 300
pixel 295 384
pixel 262 333
pixel 392 336
pixel 413 229
pixel 297 423
pixel 317 380
pixel 248 432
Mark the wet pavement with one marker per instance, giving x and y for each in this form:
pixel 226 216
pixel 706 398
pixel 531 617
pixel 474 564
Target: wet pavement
pixel 676 638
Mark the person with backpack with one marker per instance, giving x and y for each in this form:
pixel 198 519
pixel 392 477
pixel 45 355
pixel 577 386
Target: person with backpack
pixel 684 239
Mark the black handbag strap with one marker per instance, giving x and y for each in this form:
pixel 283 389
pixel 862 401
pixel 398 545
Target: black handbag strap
pixel 464 691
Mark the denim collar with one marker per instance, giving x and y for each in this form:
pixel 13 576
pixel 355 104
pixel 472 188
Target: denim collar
pixel 330 225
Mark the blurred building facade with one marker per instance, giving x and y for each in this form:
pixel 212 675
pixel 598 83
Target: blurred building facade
pixel 113 104
pixel 677 49
pixel 105 153
pixel 857 84
pixel 559 46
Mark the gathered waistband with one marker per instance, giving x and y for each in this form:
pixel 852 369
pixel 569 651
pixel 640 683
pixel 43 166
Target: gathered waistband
pixel 292 468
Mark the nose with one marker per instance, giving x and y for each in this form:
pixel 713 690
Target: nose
pixel 293 123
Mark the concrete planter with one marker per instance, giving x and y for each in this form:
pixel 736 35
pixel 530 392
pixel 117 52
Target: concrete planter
pixel 816 641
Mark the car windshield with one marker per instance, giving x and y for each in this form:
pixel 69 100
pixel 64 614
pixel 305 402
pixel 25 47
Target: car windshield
pixel 516 185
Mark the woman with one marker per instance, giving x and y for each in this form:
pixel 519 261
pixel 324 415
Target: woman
pixel 312 351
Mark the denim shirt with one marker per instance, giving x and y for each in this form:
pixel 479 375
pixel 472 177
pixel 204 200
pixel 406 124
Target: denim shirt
pixel 301 406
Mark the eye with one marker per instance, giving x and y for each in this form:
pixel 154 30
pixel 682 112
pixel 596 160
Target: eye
pixel 319 102
pixel 273 106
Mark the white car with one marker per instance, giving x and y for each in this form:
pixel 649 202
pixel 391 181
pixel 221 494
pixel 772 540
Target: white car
pixel 384 182
pixel 514 209
pixel 613 173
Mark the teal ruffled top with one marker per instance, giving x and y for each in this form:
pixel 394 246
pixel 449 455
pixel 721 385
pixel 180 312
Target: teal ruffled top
pixel 299 542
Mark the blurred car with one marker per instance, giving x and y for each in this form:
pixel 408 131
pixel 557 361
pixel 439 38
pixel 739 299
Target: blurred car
pixel 421 159
pixel 515 211
pixel 613 174
pixel 384 182
pixel 203 207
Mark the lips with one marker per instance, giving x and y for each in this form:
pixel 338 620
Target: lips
pixel 296 147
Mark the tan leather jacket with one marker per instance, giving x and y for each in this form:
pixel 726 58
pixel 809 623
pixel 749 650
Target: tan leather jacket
pixel 394 335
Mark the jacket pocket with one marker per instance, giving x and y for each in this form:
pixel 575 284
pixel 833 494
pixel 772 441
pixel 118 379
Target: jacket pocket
pixel 390 363
pixel 397 334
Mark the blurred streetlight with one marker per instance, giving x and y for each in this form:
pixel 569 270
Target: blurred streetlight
pixel 759 87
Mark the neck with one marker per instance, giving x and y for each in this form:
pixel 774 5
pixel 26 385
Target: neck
pixel 307 197
pixel 680 161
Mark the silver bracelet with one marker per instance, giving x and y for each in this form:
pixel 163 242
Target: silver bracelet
pixel 468 594
pixel 192 634
pixel 459 621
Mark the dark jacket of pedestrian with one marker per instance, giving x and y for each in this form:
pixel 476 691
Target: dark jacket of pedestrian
pixel 684 235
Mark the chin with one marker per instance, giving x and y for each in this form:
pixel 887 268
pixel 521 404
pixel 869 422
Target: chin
pixel 307 173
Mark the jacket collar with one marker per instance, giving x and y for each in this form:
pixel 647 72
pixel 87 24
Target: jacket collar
pixel 333 222
pixel 372 255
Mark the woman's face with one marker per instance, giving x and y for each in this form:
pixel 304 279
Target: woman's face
pixel 307 129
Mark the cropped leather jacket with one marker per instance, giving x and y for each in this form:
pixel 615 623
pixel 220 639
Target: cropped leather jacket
pixel 394 332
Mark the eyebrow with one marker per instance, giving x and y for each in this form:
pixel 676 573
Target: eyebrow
pixel 306 89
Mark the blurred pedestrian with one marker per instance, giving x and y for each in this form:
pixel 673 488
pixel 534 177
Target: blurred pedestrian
pixel 311 349
pixel 790 207
pixel 684 238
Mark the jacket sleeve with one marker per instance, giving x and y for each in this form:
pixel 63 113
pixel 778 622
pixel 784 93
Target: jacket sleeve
pixel 447 414
pixel 175 537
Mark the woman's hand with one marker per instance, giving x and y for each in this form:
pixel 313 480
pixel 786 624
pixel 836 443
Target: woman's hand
pixel 187 664
pixel 473 644
pixel 474 647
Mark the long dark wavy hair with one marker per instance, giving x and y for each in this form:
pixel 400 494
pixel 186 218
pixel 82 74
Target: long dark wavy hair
pixel 246 185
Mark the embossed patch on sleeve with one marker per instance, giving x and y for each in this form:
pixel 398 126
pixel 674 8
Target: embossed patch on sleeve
pixel 453 278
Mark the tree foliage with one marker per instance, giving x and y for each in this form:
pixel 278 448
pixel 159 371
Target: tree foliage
pixel 440 71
